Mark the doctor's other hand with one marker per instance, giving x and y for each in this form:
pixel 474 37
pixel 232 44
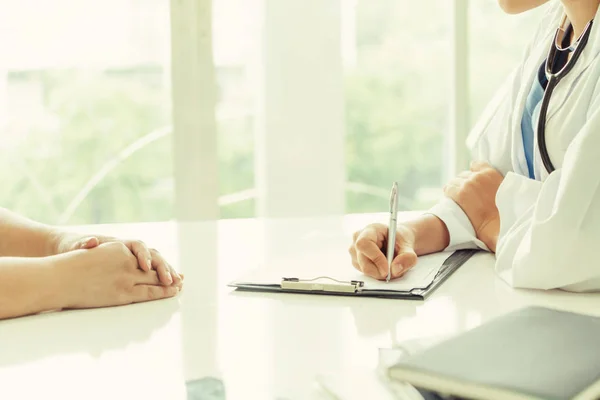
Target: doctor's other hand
pixel 369 246
pixel 106 275
pixel 475 192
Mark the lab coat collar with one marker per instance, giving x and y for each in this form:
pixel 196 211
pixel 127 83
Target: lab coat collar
pixel 593 47
pixel 589 53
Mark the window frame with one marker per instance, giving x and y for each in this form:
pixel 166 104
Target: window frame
pixel 193 87
pixel 459 106
pixel 195 130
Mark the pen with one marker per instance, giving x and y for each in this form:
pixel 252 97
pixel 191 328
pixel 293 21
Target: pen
pixel 391 242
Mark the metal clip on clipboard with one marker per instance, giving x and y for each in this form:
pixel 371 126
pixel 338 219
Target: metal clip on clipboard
pixel 311 285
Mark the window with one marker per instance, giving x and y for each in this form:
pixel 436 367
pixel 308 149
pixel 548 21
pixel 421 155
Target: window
pixel 85 118
pixel 235 43
pixel 85 89
pixel 397 85
pixel 85 101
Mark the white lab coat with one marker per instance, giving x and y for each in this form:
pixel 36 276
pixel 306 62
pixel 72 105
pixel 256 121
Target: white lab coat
pixel 550 227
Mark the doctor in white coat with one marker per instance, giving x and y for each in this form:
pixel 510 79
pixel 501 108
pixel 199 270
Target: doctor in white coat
pixel 531 198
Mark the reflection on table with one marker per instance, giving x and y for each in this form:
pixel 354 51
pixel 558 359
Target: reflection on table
pixel 263 346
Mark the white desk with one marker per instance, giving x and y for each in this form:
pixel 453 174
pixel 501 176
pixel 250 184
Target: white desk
pixel 264 346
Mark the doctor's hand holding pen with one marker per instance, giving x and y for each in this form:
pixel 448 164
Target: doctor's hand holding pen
pixel 424 235
pixel 474 191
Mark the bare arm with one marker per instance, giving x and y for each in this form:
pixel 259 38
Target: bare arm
pixel 107 275
pixel 27 286
pixel 431 234
pixel 21 237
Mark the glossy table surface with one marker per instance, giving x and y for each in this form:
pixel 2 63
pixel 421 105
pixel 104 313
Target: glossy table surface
pixel 261 346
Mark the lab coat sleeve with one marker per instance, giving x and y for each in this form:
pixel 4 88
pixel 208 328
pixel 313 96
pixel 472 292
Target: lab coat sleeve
pixel 549 238
pixel 490 140
pixel 461 232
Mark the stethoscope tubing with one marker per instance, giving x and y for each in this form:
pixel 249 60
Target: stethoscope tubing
pixel 553 80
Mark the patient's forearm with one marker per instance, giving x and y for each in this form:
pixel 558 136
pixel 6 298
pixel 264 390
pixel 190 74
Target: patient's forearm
pixel 21 237
pixel 28 286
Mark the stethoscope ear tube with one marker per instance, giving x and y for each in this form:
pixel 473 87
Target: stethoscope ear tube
pixel 553 80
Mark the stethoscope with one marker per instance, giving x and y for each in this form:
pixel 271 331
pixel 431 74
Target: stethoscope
pixel 553 79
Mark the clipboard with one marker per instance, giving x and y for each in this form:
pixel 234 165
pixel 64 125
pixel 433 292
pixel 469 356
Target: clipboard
pixel 326 285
